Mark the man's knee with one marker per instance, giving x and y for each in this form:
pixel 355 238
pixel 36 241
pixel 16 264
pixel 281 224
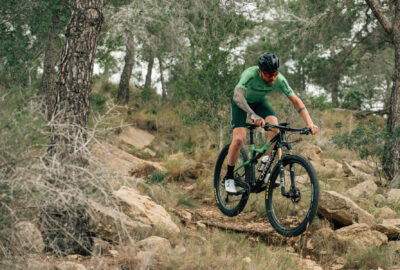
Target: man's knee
pixel 238 141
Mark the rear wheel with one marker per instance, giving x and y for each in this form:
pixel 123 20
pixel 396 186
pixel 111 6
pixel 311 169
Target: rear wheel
pixel 231 204
pixel 290 215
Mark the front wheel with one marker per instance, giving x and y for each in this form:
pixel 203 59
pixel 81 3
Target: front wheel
pixel 290 214
pixel 231 204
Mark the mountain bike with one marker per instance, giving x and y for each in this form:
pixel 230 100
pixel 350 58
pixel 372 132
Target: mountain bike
pixel 291 186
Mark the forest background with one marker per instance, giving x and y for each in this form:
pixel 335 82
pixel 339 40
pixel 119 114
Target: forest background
pixel 336 55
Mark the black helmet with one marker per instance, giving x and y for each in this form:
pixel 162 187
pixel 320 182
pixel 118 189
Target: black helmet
pixel 268 63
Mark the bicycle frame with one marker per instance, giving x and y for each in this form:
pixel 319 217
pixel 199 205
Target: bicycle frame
pixel 255 154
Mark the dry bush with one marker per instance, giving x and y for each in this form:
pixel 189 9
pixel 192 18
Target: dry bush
pixel 52 191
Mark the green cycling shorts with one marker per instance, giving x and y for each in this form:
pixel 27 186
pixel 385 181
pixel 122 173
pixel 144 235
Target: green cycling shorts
pixel 238 116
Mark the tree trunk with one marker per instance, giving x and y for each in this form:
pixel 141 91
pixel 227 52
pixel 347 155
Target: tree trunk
pixel 123 90
pixel 391 159
pixel 74 81
pixel 335 97
pixel 50 58
pixel 147 83
pixel 64 215
pixel 392 164
pixel 164 91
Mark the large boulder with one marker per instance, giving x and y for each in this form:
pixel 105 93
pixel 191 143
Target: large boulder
pixel 390 227
pixel 120 161
pixel 364 189
pixel 144 210
pixel 113 225
pixel 28 237
pixel 342 210
pixel 137 137
pixel 362 235
pixel 364 166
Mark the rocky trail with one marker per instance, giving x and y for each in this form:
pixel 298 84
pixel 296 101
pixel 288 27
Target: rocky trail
pixel 354 223
pixel 131 212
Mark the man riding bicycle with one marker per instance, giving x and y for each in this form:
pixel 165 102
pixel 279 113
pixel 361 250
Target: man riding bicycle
pixel 250 98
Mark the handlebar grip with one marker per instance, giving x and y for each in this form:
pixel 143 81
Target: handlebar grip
pixel 306 131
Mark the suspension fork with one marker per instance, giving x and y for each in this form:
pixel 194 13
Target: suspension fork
pixel 282 174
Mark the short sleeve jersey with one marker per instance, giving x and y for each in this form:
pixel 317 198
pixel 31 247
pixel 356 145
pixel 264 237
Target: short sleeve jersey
pixel 257 89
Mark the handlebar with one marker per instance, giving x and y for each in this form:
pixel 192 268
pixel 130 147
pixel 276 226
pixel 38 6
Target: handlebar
pixel 282 126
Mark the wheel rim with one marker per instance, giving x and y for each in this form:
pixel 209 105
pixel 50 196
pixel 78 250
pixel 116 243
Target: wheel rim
pixel 291 212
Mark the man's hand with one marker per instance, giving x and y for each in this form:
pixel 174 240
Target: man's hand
pixel 314 128
pixel 258 120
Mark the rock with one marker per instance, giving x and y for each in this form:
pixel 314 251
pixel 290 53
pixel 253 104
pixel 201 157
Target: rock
pixel 118 160
pixel 362 235
pixel 136 137
pixel 179 249
pixel 386 212
pixel 246 260
pixel 143 170
pixel 114 225
pixel 200 224
pixel 338 264
pixel 113 253
pixel 312 153
pixel 351 171
pixel 365 189
pixel 28 237
pixel 364 166
pixel 144 210
pixel 290 249
pixel 393 195
pixel 380 198
pixel 390 227
pixel 151 249
pixel 150 152
pixel 342 210
pixel 155 244
pixel 70 266
pixel 34 264
pixel 309 264
pixel 332 167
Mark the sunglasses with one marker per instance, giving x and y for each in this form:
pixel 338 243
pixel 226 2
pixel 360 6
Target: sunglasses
pixel 269 75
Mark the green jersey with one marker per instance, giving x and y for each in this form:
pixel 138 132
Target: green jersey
pixel 257 89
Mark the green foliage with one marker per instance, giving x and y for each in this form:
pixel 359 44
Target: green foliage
pixel 184 200
pixel 97 102
pixel 320 102
pixel 157 176
pixel 367 140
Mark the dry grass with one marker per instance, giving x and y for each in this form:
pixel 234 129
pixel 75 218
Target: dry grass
pixel 216 249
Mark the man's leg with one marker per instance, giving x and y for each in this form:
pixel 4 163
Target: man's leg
pixel 239 136
pixel 274 131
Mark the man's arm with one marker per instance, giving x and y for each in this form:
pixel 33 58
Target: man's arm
pixel 238 98
pixel 302 110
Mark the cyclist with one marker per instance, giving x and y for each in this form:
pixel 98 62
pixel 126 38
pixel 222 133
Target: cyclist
pixel 250 98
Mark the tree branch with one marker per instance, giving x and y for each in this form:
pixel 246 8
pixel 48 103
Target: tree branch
pixel 380 15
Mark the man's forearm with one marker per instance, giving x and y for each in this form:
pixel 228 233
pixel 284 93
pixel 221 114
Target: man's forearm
pixel 238 98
